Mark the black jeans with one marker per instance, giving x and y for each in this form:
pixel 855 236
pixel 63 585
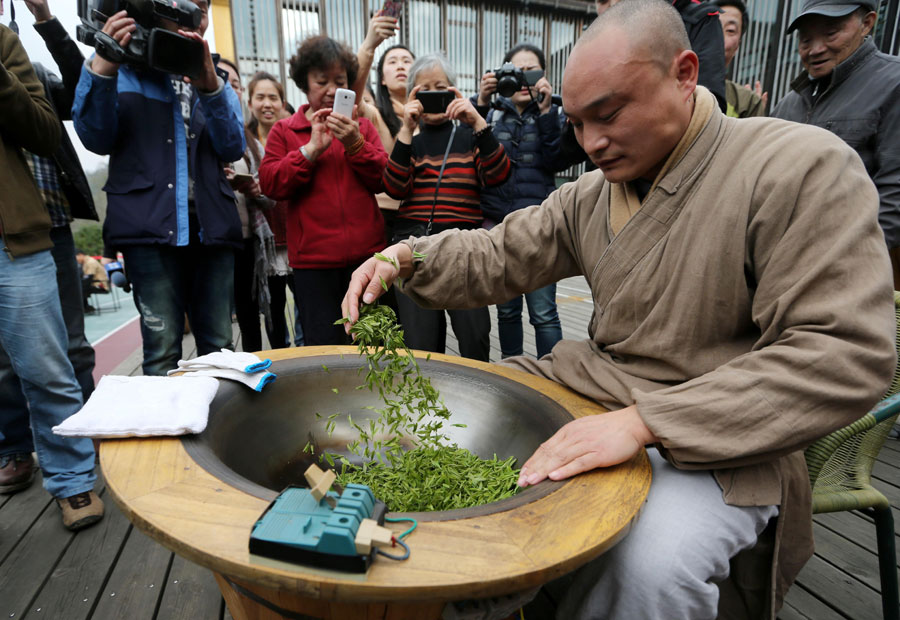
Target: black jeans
pixel 245 305
pixel 278 335
pixel 68 281
pixel 426 330
pixel 318 294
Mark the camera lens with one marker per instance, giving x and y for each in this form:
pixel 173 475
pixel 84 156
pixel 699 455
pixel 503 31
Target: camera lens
pixel 507 85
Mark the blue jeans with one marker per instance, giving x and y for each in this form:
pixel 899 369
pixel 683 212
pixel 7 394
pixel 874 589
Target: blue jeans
pixel 541 314
pixel 33 334
pixel 170 281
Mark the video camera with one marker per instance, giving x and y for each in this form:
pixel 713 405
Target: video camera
pixel 151 45
pixel 511 79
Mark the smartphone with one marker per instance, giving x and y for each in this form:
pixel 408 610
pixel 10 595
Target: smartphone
pixel 391 8
pixel 343 102
pixel 435 101
pixel 239 179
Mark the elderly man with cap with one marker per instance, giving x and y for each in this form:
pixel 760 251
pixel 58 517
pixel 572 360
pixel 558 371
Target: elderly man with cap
pixel 742 308
pixel 853 90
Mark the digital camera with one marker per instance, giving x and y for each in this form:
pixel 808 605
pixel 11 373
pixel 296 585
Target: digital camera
pixel 151 44
pixel 511 79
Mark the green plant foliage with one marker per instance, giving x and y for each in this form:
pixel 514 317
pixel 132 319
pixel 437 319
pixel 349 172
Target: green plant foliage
pixel 434 475
pixel 89 239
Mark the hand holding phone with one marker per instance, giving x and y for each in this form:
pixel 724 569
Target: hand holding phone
pixel 343 102
pixel 238 180
pixel 391 8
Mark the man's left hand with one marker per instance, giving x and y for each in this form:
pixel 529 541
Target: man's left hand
pixel 207 81
pixel 601 440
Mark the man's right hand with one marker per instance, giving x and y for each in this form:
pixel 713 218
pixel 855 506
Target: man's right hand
pixel 40 9
pixel 366 281
pixel 119 27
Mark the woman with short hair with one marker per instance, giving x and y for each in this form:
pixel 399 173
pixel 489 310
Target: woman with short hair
pixel 328 168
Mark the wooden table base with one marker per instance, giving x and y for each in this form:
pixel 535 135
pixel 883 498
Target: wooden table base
pixel 245 608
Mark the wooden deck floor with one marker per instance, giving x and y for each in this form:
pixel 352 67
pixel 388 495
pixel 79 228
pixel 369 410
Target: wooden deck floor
pixel 113 571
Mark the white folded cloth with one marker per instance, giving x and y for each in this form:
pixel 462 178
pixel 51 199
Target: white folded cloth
pixel 254 380
pixel 245 368
pixel 243 362
pixel 143 407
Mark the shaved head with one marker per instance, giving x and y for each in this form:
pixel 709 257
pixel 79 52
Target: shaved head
pixel 628 88
pixel 654 25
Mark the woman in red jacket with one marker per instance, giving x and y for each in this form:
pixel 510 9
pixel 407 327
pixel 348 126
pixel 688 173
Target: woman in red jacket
pixel 328 168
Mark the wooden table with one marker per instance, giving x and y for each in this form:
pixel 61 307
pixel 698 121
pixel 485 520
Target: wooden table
pixel 177 503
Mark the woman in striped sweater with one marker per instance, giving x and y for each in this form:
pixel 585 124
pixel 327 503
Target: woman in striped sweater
pixel 437 168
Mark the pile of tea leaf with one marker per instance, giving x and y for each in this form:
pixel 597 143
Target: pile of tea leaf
pixel 434 474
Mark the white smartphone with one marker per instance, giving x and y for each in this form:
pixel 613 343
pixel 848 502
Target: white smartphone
pixel 343 102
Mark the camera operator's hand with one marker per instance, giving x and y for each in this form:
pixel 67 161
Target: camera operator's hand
pixel 544 88
pixel 207 81
pixel 381 28
pixel 321 136
pixel 119 27
pixel 461 109
pixel 40 9
pixel 487 88
pixel 412 112
pixel 344 129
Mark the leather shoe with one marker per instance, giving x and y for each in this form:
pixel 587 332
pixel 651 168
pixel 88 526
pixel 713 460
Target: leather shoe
pixel 16 473
pixel 82 510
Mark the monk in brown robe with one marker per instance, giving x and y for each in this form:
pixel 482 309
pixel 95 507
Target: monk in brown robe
pixel 742 309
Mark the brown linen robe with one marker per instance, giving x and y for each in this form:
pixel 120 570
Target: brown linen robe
pixel 746 308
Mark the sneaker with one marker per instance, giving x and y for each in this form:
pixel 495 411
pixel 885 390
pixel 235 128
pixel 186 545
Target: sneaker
pixel 80 511
pixel 16 473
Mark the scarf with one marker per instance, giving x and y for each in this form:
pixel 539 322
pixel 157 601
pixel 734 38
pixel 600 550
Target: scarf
pixel 623 198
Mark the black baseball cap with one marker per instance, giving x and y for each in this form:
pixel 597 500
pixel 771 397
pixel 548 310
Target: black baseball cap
pixel 830 8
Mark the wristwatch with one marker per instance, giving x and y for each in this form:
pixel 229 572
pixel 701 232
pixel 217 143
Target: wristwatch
pixel 305 153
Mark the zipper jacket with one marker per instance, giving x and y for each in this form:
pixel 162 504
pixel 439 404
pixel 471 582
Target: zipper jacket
pixel 135 117
pixel 333 218
pixel 861 105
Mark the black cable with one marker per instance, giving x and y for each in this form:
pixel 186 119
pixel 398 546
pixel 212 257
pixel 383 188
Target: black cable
pixel 395 557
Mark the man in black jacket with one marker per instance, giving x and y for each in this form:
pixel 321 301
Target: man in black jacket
pixel 32 329
pixel 73 199
pixel 851 89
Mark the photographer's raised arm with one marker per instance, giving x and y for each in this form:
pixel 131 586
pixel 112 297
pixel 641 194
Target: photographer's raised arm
pixel 28 120
pixel 65 52
pixel 95 112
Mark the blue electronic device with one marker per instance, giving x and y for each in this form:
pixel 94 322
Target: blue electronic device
pixel 298 528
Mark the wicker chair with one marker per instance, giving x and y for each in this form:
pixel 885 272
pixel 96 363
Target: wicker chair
pixel 840 466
